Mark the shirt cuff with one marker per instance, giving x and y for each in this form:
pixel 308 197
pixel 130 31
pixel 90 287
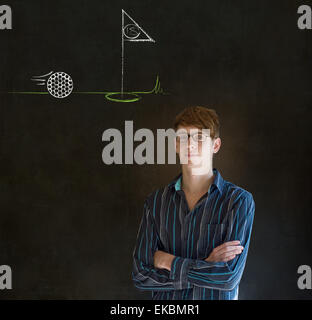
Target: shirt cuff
pixel 179 271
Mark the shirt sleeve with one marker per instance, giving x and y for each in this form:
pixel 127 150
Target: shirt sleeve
pixel 144 275
pixel 219 275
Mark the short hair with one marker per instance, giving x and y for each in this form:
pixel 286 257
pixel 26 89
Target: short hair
pixel 200 117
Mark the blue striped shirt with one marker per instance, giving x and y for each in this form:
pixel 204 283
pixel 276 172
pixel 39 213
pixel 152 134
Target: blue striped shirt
pixel 224 213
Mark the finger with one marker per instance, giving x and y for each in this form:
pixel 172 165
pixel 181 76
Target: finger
pixel 229 258
pixel 229 249
pixel 229 243
pixel 226 244
pixel 228 254
pixel 226 257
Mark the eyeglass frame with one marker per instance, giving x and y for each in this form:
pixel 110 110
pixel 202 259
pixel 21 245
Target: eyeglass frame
pixel 192 136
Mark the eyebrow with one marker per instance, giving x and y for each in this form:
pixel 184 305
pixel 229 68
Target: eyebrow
pixel 186 133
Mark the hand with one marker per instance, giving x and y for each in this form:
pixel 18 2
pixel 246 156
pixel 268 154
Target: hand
pixel 225 252
pixel 163 260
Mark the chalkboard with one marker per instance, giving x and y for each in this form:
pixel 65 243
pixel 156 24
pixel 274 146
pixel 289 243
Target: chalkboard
pixel 69 221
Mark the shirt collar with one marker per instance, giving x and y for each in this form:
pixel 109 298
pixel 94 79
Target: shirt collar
pixel 218 181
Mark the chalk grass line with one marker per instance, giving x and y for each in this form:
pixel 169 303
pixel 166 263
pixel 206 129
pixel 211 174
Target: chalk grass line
pixel 156 90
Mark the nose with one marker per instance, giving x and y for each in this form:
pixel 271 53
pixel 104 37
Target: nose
pixel 192 147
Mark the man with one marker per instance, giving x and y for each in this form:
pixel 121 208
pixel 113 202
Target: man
pixel 194 235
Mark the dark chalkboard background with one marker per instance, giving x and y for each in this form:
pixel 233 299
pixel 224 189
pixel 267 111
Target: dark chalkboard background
pixel 68 222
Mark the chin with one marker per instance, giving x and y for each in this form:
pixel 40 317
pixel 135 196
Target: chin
pixel 194 163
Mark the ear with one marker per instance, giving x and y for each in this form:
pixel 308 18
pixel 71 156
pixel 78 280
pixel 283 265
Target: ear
pixel 216 145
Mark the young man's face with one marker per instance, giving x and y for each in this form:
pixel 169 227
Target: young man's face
pixel 196 148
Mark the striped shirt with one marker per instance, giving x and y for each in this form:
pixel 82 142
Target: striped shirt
pixel 224 213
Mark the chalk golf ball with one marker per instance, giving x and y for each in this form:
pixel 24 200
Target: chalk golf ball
pixel 60 85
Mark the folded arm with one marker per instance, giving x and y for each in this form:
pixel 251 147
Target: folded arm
pixel 185 273
pixel 144 275
pixel 219 275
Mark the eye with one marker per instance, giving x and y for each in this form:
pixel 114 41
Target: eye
pixel 199 137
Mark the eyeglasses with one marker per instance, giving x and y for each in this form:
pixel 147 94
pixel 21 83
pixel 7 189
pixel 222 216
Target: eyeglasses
pixel 196 137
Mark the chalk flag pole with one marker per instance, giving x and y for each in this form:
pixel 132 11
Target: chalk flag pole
pixel 122 52
pixel 148 38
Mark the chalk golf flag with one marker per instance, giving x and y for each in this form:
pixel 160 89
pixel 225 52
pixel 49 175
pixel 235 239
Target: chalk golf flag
pixel 131 31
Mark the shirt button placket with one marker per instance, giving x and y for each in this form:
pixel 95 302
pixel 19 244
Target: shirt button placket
pixel 185 226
